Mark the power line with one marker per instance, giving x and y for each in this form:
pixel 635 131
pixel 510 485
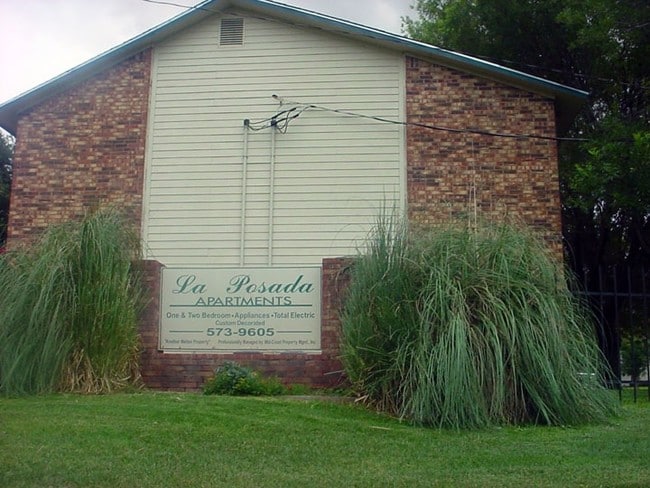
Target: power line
pixel 282 119
pixel 288 115
pixel 188 7
pixel 585 77
pixel 448 129
pixel 573 74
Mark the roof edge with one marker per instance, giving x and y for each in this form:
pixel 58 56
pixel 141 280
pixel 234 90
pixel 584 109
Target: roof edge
pixel 11 109
pixel 571 98
pixel 443 56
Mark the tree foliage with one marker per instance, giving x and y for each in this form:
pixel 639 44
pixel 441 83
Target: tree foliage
pixel 523 34
pixel 6 154
pixel 601 46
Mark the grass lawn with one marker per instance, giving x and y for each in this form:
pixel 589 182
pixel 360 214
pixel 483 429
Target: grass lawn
pixel 166 439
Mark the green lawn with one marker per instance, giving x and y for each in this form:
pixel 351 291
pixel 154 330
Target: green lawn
pixel 185 440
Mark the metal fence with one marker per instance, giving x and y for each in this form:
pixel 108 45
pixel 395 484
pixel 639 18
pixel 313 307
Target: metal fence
pixel 620 300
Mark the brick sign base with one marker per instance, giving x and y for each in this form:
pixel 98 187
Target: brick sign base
pixel 188 372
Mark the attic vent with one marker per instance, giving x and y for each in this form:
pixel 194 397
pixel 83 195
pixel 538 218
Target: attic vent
pixel 232 32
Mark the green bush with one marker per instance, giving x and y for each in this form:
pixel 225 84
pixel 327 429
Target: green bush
pixel 634 356
pixel 232 379
pixel 68 309
pixel 469 327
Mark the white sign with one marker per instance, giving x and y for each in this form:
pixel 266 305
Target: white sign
pixel 261 309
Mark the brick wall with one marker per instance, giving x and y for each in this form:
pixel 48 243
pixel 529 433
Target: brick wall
pixel 188 372
pixel 86 147
pixel 81 149
pixel 517 177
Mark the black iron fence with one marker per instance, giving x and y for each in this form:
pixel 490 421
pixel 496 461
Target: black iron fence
pixel 620 300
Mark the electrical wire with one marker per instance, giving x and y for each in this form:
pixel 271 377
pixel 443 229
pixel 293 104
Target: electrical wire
pixel 486 58
pixel 188 7
pixel 585 78
pixel 303 107
pixel 280 120
pixel 258 125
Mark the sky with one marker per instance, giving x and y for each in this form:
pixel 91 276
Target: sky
pixel 43 38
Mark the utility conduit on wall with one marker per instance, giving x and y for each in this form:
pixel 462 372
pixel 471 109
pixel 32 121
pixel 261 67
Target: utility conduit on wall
pixel 244 176
pixel 271 191
pixel 244 193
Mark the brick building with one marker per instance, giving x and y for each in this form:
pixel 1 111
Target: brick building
pixel 254 145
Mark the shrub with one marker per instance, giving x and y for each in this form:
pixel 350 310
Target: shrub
pixel 461 327
pixel 69 307
pixel 634 356
pixel 232 379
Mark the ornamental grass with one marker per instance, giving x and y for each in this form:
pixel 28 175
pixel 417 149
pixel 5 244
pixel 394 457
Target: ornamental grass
pixel 463 326
pixel 69 307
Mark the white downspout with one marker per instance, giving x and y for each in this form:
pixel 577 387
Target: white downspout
pixel 271 191
pixel 244 177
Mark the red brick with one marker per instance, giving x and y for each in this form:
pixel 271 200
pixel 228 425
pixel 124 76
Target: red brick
pixel 513 177
pixel 85 147
pixel 81 149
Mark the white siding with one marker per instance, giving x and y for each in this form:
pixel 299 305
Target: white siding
pixel 332 172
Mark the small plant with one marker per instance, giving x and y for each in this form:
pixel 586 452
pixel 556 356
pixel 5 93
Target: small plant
pixel 233 379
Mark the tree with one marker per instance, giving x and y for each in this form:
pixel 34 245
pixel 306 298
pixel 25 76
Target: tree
pixel 6 155
pixel 606 187
pixel 520 33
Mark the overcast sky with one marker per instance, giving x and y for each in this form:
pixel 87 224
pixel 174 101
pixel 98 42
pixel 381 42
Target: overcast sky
pixel 43 38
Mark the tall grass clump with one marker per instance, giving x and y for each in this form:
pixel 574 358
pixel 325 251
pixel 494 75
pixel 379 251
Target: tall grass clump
pixel 469 327
pixel 68 309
